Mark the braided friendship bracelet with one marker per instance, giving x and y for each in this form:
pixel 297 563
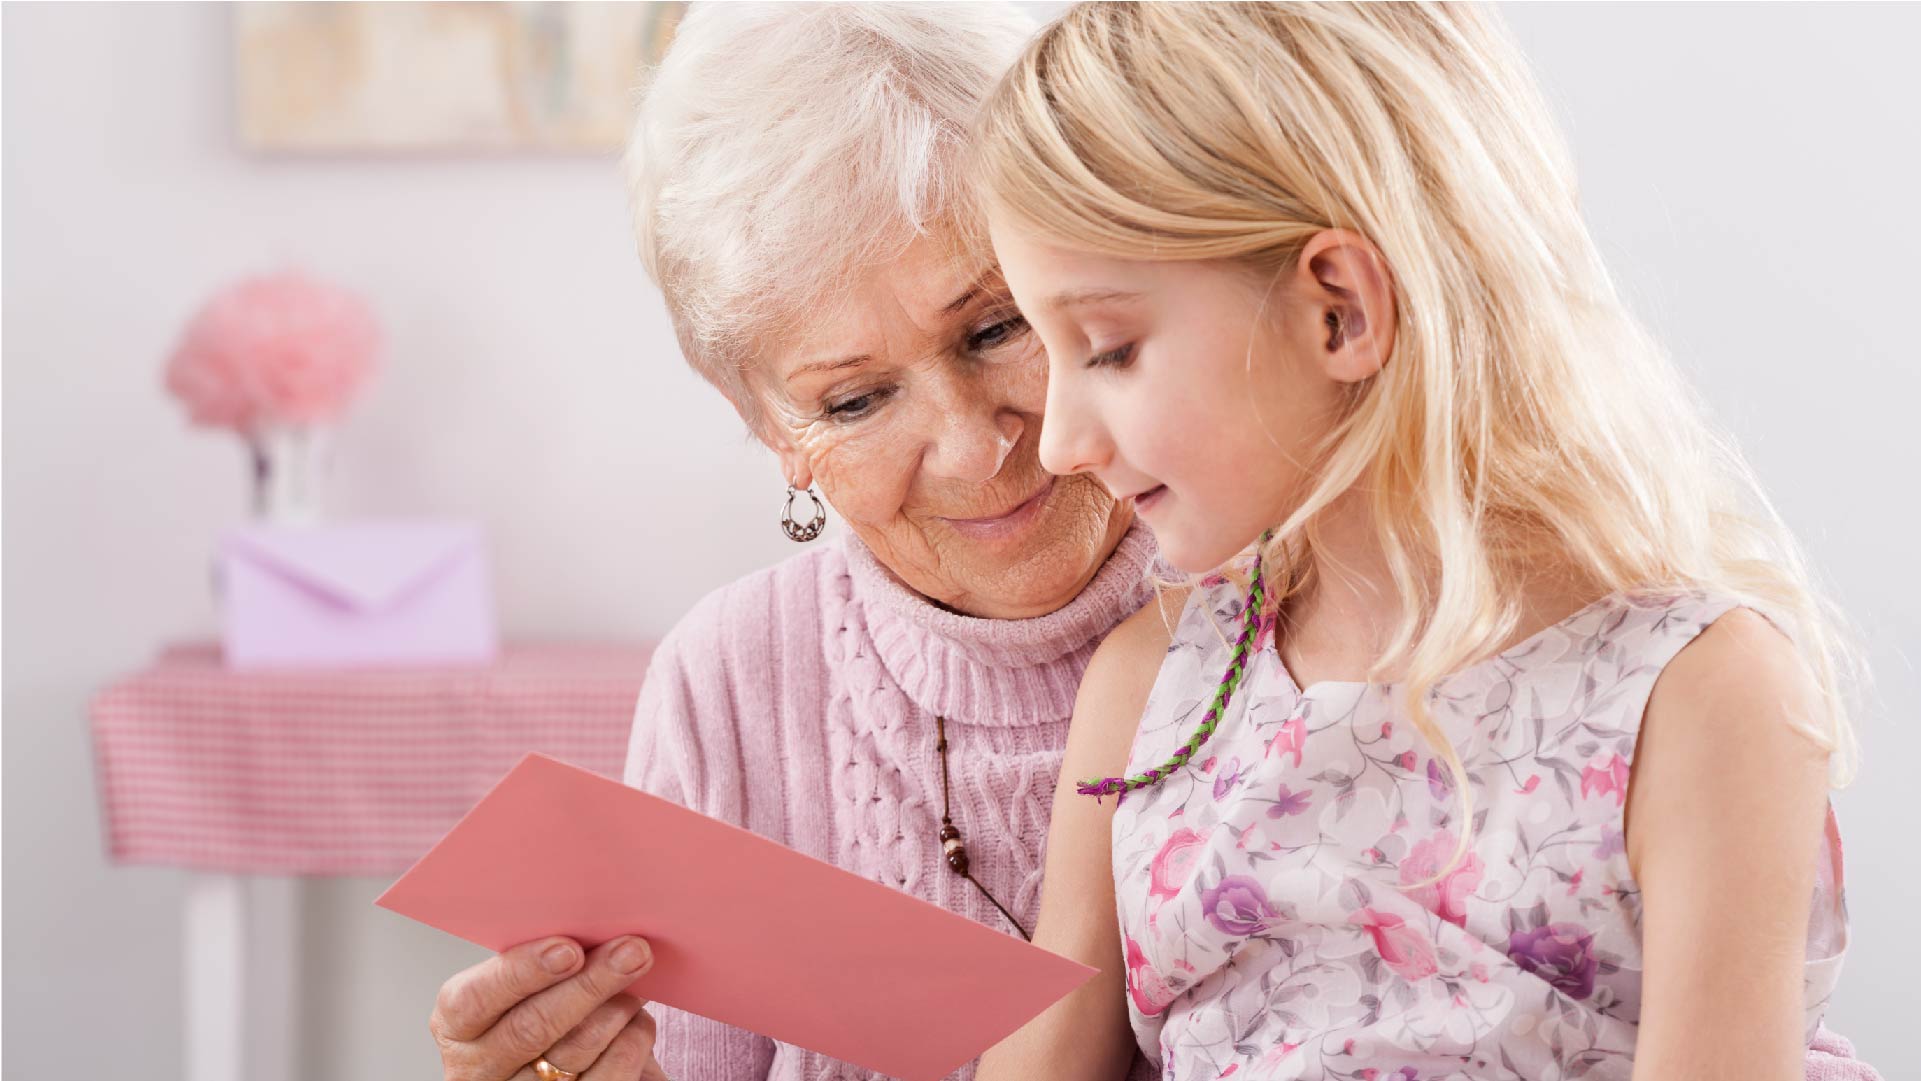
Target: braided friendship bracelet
pixel 1236 668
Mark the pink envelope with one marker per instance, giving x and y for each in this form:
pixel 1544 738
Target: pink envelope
pixel 744 930
pixel 356 594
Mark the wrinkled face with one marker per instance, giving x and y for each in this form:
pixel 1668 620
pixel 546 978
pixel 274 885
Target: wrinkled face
pixel 915 404
pixel 1194 390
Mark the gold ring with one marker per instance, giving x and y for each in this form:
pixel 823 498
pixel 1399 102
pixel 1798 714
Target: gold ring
pixel 547 1071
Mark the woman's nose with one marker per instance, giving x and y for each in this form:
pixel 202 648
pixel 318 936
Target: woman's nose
pixel 973 436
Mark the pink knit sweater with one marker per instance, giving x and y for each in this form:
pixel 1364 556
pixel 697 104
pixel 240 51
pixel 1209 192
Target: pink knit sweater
pixel 799 702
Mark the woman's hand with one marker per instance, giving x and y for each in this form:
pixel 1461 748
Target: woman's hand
pixel 538 1000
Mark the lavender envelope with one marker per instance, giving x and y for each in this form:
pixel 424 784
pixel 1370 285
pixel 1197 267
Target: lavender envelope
pixel 356 594
pixel 744 930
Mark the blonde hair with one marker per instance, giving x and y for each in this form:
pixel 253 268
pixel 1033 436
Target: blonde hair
pixel 1525 419
pixel 781 148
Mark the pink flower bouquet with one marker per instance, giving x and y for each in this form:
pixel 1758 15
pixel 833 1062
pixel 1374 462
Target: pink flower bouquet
pixel 278 350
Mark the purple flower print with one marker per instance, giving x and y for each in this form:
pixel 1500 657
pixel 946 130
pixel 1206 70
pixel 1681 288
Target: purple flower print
pixel 1238 906
pixel 1289 802
pixel 1229 777
pixel 1612 844
pixel 1438 782
pixel 1558 953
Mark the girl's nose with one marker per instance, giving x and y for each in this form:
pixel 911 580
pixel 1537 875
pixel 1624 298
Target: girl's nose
pixel 1072 439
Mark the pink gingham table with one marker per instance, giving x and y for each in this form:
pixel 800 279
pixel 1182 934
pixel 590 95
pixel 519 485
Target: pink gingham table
pixel 354 772
pixel 234 775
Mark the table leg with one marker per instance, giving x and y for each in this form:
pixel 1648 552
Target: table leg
pixel 215 934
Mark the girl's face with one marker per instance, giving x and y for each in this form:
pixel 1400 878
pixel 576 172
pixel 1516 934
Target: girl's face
pixel 1194 389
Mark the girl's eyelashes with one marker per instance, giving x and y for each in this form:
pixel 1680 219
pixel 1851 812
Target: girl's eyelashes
pixel 857 406
pixel 997 333
pixel 1117 358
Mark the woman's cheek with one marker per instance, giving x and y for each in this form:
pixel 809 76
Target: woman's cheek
pixel 1024 378
pixel 864 474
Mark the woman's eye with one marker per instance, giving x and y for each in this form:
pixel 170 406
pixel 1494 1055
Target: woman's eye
pixel 858 406
pixel 1114 358
pixel 998 333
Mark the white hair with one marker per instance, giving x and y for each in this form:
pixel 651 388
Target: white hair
pixel 780 148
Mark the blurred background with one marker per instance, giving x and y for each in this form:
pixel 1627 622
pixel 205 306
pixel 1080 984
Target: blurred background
pixel 1749 170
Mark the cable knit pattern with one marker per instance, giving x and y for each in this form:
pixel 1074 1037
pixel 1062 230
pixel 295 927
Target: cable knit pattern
pixel 800 702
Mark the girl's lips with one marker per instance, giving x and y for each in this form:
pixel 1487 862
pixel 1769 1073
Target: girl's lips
pixel 1005 525
pixel 1149 498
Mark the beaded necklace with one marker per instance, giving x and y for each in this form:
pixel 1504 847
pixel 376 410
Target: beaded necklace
pixel 950 835
pixel 1231 679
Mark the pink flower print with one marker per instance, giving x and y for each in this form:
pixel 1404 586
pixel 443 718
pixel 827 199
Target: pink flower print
pixel 1291 737
pixel 1387 729
pixel 1404 948
pixel 1208 766
pixel 1174 864
pixel 1606 777
pixel 1150 992
pixel 1229 778
pixel 1289 802
pixel 1405 760
pixel 1213 580
pixel 1533 782
pixel 1238 906
pixel 1276 1053
pixel 1264 630
pixel 1446 896
pixel 1478 971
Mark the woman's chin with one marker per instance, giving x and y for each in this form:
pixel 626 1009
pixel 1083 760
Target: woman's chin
pixel 1057 555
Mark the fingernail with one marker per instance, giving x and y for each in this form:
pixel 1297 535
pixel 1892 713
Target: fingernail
pixel 630 957
pixel 558 958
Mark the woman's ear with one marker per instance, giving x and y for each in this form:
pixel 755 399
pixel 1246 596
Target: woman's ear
pixel 769 432
pixel 1349 292
pixel 794 465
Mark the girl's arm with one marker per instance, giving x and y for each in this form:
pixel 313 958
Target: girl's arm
pixel 1085 1036
pixel 1725 810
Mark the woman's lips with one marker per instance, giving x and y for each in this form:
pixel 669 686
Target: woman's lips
pixel 1004 525
pixel 1149 498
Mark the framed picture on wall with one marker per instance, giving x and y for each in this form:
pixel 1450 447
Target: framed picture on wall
pixel 409 76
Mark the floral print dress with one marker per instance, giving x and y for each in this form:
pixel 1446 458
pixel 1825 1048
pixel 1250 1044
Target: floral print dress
pixel 1278 899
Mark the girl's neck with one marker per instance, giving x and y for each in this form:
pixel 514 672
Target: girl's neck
pixel 1340 625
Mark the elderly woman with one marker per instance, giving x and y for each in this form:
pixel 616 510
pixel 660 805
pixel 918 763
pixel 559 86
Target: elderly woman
pixel 793 180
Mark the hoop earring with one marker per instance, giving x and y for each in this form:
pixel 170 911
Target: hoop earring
pixel 803 532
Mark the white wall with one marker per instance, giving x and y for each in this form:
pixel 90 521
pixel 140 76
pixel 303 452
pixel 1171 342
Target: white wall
pixel 1744 168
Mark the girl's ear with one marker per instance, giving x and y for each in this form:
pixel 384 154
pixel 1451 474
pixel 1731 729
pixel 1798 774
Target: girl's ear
pixel 1349 291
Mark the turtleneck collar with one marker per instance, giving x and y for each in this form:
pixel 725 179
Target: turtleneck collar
pixel 996 671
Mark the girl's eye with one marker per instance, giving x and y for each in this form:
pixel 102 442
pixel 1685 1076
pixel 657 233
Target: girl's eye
pixel 1117 358
pixel 999 333
pixel 858 406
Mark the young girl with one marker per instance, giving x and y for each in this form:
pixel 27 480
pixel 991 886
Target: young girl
pixel 1502 749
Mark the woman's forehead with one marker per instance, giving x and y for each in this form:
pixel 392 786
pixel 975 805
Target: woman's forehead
pixel 921 293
